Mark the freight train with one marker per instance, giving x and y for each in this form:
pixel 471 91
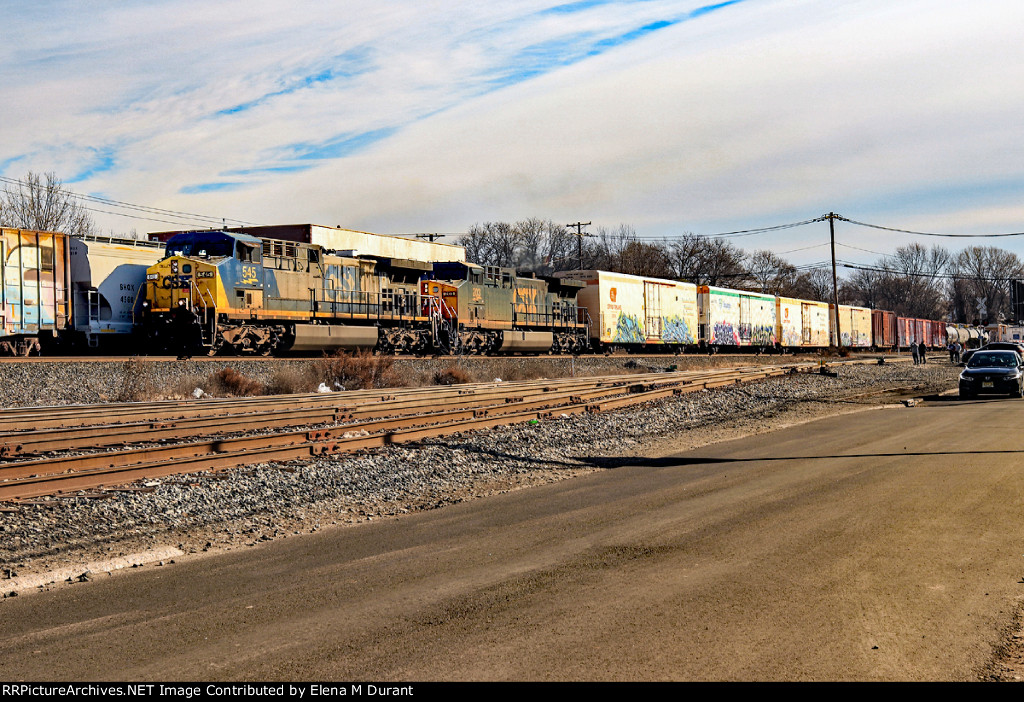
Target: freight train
pixel 211 292
pixel 230 291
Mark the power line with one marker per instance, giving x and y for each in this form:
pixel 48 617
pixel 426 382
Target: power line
pixel 138 208
pixel 803 248
pixel 122 214
pixel 916 233
pixel 945 276
pixel 738 233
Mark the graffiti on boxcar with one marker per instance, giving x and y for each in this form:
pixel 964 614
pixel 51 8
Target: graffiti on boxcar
pixel 757 335
pixel 629 330
pixel 674 329
pixel 724 333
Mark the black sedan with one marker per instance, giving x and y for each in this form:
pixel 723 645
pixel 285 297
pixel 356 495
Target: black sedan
pixel 995 345
pixel 993 372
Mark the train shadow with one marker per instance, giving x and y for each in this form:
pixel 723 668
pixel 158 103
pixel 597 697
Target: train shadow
pixel 613 462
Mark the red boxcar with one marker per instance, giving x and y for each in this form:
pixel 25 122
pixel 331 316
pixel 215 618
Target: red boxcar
pixel 883 329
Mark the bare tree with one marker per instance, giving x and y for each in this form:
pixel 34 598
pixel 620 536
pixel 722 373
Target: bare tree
pixel 604 251
pixel 651 260
pixel 561 248
pixel 910 282
pixel 983 274
pixel 813 284
pixel 41 202
pixel 706 261
pixel 491 244
pixel 770 273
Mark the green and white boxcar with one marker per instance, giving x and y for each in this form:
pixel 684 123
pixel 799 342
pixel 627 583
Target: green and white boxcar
pixel 736 317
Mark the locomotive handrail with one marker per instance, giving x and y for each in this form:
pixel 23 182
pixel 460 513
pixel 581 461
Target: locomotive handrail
pixel 135 302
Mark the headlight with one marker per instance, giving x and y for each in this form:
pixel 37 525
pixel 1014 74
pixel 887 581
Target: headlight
pixel 966 378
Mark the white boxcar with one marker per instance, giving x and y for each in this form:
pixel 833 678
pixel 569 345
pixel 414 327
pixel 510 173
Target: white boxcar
pixel 106 277
pixel 789 327
pixel 736 317
pixel 630 309
pixel 801 323
pixel 815 318
pixel 1014 334
pixel 854 326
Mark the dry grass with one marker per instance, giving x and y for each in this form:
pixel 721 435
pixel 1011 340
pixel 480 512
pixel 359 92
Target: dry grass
pixel 357 371
pixel 230 382
pixel 452 375
pixel 289 381
pixel 136 382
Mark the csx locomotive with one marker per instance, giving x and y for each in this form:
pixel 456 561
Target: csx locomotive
pixel 229 291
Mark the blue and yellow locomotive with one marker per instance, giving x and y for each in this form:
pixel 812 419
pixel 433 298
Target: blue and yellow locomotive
pixel 217 291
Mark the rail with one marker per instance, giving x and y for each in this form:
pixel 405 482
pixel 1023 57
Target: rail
pixel 367 419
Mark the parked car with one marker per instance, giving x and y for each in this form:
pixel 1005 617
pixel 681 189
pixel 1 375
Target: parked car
pixel 993 372
pixel 994 346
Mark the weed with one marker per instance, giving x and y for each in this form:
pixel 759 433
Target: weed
pixel 357 371
pixel 228 381
pixel 452 375
pixel 289 381
pixel 136 382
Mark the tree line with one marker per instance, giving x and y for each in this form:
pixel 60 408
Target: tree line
pixel 915 281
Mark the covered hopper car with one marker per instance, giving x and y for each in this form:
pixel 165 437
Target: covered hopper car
pixel 62 293
pixel 35 287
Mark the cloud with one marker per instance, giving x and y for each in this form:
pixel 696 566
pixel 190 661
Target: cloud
pixel 672 116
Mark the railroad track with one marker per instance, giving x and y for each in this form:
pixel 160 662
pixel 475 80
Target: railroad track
pixel 50 450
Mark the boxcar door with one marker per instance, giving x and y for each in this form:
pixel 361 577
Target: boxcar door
pixel 652 309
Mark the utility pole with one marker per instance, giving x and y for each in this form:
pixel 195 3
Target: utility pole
pixel 429 236
pixel 835 280
pixel 579 242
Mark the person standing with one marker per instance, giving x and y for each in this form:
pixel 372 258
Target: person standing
pixel 915 352
pixel 921 352
pixel 952 351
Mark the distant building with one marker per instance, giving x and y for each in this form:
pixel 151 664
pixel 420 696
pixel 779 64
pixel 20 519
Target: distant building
pixel 347 241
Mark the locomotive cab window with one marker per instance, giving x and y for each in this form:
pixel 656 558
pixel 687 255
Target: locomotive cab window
pixel 247 253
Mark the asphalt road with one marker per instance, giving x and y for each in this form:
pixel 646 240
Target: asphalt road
pixel 884 545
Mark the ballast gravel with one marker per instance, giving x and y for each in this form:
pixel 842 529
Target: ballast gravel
pixel 247 506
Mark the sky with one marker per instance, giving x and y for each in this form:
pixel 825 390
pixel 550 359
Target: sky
pixel 402 116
